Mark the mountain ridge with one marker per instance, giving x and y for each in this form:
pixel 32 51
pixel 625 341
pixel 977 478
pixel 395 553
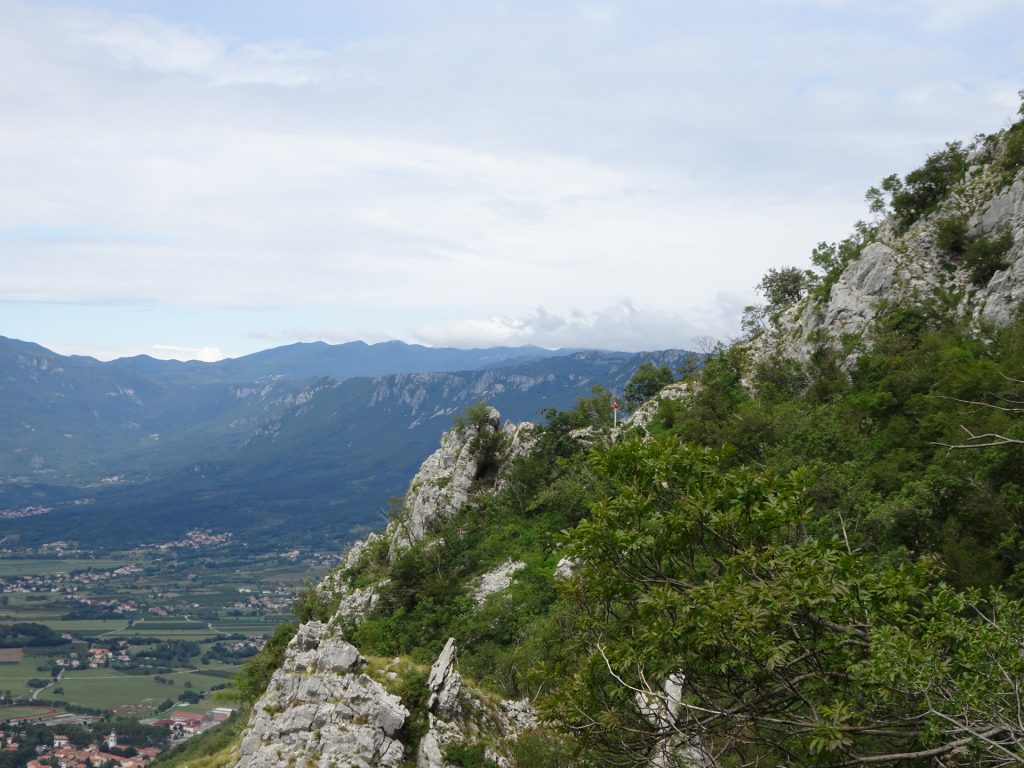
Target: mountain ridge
pixel 170 453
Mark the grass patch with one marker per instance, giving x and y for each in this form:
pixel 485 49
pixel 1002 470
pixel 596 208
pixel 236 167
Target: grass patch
pixel 107 688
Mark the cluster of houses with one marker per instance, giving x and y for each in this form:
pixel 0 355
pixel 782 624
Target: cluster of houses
pixel 264 600
pixel 95 657
pixel 63 754
pixel 184 723
pixel 196 539
pixel 67 583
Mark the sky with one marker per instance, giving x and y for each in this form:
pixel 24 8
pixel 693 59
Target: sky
pixel 197 179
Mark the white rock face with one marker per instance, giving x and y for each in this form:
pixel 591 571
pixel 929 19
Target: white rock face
pixel 565 568
pixel 644 415
pixel 911 265
pixel 440 487
pixel 1005 290
pixel 497 580
pixel 319 709
pixel 519 441
pixel 854 298
pixel 444 481
pixel 518 716
pixel 445 683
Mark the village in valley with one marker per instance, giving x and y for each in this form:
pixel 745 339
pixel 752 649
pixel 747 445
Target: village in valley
pixel 108 658
pixel 110 751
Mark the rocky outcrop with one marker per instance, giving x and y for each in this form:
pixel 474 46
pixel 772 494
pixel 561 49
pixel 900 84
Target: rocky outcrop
pixel 565 568
pixel 321 709
pixel 911 266
pixel 459 716
pixel 519 440
pixel 444 683
pixel 496 580
pixel 1005 291
pixel 446 479
pixel 644 415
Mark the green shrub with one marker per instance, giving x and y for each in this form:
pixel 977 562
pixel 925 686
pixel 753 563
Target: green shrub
pixel 313 605
pixel 411 688
pixel 646 382
pixel 466 755
pixel 951 234
pixel 832 258
pixel 984 257
pixel 1012 159
pixel 542 749
pixel 923 189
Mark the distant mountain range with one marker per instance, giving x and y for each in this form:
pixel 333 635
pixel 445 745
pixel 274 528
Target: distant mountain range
pixel 138 449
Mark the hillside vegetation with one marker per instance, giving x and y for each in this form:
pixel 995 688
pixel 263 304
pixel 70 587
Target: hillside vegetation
pixel 792 559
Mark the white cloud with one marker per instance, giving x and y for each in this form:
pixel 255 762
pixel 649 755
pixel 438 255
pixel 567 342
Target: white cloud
pixel 621 326
pixel 159 351
pixel 455 173
pixel 149 44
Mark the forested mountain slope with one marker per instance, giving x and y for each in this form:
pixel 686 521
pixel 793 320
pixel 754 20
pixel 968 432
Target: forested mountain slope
pixel 808 553
pixel 128 458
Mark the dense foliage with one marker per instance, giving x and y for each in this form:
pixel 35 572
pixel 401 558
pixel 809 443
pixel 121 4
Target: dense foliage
pixel 797 543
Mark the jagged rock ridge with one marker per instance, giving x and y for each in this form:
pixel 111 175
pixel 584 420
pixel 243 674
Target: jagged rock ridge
pixel 323 708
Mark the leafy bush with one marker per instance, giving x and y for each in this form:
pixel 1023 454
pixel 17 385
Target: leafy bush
pixel 984 257
pixel 411 688
pixel 923 189
pixel 1012 159
pixel 951 234
pixel 487 443
pixel 314 605
pixel 981 257
pixel 791 642
pixel 648 380
pixel 543 749
pixel 466 755
pixel 831 258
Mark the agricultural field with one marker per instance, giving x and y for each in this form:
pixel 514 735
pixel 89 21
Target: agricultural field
pixel 173 626
pixel 107 689
pixel 14 675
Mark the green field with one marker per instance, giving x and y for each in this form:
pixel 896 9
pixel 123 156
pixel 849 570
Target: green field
pixel 13 675
pixel 250 626
pixel 184 585
pixel 45 566
pixel 106 689
pixel 176 629
pixel 87 626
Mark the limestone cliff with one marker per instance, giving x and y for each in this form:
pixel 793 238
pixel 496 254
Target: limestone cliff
pixel 926 260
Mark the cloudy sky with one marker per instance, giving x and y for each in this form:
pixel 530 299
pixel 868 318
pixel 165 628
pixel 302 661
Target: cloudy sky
pixel 189 178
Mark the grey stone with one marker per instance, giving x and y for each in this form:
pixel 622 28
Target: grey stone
pixel 445 683
pixel 565 567
pixel 319 710
pixel 496 580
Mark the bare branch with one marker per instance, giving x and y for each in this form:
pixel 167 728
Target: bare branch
pixel 993 440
